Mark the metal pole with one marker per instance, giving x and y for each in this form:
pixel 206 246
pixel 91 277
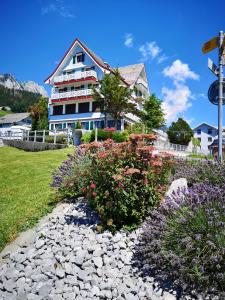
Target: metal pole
pixel 220 104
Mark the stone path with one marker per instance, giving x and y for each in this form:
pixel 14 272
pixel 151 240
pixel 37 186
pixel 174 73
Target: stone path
pixel 68 260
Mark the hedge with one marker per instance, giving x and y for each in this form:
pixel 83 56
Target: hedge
pixel 33 146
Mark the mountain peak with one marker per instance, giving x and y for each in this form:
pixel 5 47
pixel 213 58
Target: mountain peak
pixel 10 82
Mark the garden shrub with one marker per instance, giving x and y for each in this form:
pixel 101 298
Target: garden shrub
pixel 32 146
pixel 104 134
pixel 60 138
pixel 86 138
pixel 122 182
pixel 184 240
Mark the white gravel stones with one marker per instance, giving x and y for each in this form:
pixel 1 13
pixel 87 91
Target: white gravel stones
pixel 70 260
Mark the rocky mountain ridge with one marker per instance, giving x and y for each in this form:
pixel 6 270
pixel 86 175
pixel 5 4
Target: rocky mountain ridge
pixel 10 82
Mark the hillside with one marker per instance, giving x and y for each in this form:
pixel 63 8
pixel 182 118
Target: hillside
pixel 19 95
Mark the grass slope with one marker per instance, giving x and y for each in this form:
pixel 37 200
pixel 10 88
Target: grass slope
pixel 25 194
pixel 4 113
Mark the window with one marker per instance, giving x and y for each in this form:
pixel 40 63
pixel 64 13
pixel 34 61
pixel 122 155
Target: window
pixel 209 131
pixel 111 123
pixel 51 126
pixel 63 90
pixel 57 110
pixel 95 107
pixel 64 125
pixel 70 108
pixel 80 57
pixel 58 126
pixel 85 125
pixel 199 131
pixel 209 139
pixel 83 107
pixel 71 125
pixel 199 140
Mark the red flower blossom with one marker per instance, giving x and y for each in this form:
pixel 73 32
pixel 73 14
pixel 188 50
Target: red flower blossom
pixel 94 194
pixel 93 186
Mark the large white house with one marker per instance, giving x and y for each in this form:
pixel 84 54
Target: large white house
pixel 71 98
pixel 206 134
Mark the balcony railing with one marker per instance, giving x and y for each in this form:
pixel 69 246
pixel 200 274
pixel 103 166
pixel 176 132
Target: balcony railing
pixel 71 94
pixel 76 76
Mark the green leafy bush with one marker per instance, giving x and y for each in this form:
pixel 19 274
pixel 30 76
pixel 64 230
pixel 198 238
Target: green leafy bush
pixel 86 138
pixel 120 137
pixel 60 139
pixel 104 134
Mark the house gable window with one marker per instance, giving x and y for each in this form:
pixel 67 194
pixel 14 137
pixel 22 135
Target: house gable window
pixel 210 131
pixel 199 131
pixel 78 58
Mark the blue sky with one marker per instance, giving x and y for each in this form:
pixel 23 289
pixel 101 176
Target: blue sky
pixel 167 35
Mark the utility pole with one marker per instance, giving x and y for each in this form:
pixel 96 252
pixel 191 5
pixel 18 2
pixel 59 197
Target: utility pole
pixel 215 92
pixel 220 102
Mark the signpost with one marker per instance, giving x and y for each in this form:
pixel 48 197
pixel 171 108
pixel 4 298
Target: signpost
pixel 217 42
pixel 213 92
pixel 210 45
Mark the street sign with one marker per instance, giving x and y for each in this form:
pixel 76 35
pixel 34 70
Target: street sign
pixel 213 67
pixel 210 45
pixel 213 92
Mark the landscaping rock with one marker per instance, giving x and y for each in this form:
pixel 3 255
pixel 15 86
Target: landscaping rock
pixel 68 259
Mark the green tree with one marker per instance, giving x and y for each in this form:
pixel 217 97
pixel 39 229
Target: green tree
pixel 39 114
pixel 152 114
pixel 180 132
pixel 114 97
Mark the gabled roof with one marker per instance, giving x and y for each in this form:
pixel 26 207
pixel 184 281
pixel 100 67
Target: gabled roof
pixel 131 73
pixel 13 118
pixel 96 59
pixel 205 124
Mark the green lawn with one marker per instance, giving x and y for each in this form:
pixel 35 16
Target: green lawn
pixel 25 194
pixel 3 113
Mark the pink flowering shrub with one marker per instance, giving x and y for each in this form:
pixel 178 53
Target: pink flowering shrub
pixel 125 180
pixel 121 181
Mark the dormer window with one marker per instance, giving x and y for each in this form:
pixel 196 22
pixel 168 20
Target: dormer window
pixel 78 58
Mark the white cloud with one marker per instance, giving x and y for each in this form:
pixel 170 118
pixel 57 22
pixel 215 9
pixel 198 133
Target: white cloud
pixel 176 101
pixel 179 72
pixel 129 40
pixel 149 51
pixel 57 6
pixel 162 58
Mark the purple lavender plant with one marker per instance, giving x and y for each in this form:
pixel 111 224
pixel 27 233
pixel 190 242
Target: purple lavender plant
pixel 184 239
pixel 206 171
pixel 70 176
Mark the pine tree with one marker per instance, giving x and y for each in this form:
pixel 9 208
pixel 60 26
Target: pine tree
pixel 180 132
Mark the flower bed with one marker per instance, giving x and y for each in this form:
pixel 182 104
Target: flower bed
pixel 184 238
pixel 120 181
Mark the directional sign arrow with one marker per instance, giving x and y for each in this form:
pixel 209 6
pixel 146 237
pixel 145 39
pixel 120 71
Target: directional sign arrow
pixel 212 67
pixel 210 45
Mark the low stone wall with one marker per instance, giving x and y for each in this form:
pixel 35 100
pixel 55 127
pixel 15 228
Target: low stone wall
pixel 32 146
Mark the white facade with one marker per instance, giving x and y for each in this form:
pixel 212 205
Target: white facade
pixel 206 134
pixel 71 98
